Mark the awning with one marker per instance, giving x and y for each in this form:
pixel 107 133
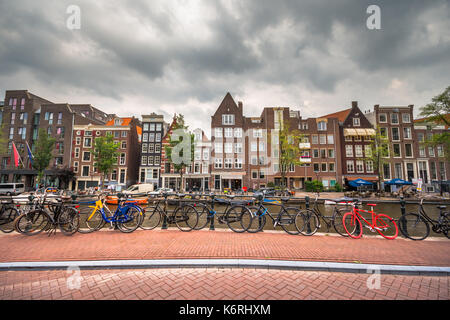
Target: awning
pixel 359 132
pixel 369 178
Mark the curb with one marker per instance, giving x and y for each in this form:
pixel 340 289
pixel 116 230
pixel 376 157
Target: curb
pixel 229 263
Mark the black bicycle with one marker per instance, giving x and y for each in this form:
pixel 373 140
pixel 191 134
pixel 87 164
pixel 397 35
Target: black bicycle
pixel 416 226
pixel 310 223
pixel 58 214
pixel 185 216
pixel 236 215
pixel 285 219
pixel 8 213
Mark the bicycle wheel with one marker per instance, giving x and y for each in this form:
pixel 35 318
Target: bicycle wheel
pixel 352 225
pixel 186 217
pixel 287 220
pixel 7 219
pixel 90 223
pixel 32 223
pixel 386 226
pixel 310 222
pixel 413 226
pixel 258 221
pixel 238 218
pixel 204 216
pixel 151 218
pixel 68 221
pixel 337 223
pixel 130 221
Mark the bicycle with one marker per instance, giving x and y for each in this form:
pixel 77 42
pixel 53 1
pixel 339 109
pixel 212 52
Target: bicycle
pixel 416 226
pixel 381 223
pixel 236 215
pixel 59 215
pixel 8 213
pixel 310 223
pixel 285 218
pixel 185 216
pixel 127 217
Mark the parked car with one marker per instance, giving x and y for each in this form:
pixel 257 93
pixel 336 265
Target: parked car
pixel 160 191
pixel 139 188
pixel 11 189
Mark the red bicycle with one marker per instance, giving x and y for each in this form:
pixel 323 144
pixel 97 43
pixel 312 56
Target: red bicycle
pixel 381 223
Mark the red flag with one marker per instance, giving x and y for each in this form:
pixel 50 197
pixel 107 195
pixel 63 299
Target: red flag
pixel 16 155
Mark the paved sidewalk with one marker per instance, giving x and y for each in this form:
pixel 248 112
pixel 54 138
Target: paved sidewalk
pixel 222 244
pixel 216 284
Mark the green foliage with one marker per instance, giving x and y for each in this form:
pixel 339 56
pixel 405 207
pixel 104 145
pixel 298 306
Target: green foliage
pixel 105 154
pixel 438 113
pixel 313 186
pixel 337 187
pixel 43 153
pixel 271 184
pixel 379 151
pixel 3 140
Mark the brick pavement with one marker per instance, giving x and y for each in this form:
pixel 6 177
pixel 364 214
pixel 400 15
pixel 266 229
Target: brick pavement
pixel 172 244
pixel 217 284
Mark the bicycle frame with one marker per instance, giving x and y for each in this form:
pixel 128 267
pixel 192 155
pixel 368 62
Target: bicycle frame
pixel 356 212
pixel 118 216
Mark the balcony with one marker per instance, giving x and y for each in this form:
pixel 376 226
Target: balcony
pixel 305 159
pixel 305 145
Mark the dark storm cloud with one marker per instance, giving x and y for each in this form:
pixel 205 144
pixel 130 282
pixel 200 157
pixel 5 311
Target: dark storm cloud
pixel 146 48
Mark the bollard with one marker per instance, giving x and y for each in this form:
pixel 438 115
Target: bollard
pixel 211 226
pixel 358 230
pixel 402 222
pixel 308 225
pixel 164 225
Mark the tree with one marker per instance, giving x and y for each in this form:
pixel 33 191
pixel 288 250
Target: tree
pixel 438 112
pixel 289 152
pixel 43 153
pixel 105 155
pixel 180 151
pixel 3 140
pixel 379 151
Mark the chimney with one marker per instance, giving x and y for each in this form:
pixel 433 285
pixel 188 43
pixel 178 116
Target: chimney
pixel 354 104
pixel 240 106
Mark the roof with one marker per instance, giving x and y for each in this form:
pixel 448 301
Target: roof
pixel 125 122
pixel 423 120
pixel 341 115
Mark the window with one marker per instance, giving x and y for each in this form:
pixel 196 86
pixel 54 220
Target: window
pixel 316 167
pixel 442 171
pixel 158 127
pixel 77 141
pixel 152 127
pixel 420 137
pixel 431 152
pixel 407 133
pixel 359 166
pixel 228 148
pixel 238 163
pixel 358 151
pixel 228 163
pixel 254 174
pixel 331 167
pixel 348 138
pixel 322 126
pixel 157 160
pixel 228 132
pixel 157 148
pixel 122 176
pixel 158 137
pixel 238 147
pixel 323 139
pixel 406 118
pixel 394 118
pixel 87 142
pixel 13 117
pixel 350 166
pixel 433 171
pixel 218 147
pixel 291 168
pixel 262 174
pixel 254 160
pixel 254 146
pixel 358 139
pixel 144 160
pixel 86 156
pixel 151 137
pixel 315 139
pixel 238 132
pixel 369 166
pixel 75 166
pixel 262 146
pixel 114 175
pixel 59 118
pixel 408 150
pixel 122 159
pixel 330 153
pixel 422 151
pixel 323 153
pixel 395 134
pixel 440 151
pixel 218 132
pixel 387 171
pixel 151 148
pixel 218 163
pixel 198 154
pixel 396 148
pixel 150 160
pixel 356 122
pixel 315 153
pixel 368 150
pixel 257 133
pixel 123 145
pixel 382 118
pixel 261 161
pixel 330 139
pixel 324 167
pixel 398 171
pixel 145 127
pixel 228 119
pixel 85 171
pixel 348 150
pixel 144 148
pixel 77 152
pixel 205 154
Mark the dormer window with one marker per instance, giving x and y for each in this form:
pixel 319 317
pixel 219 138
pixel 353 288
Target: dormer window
pixel 227 119
pixel 356 122
pixel 322 126
pixel 117 122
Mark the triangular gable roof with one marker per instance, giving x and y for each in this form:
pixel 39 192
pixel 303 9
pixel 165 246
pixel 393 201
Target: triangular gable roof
pixel 227 102
pixel 125 122
pixel 340 115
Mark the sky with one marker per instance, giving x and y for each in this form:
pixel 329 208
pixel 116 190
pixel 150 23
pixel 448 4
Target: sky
pixel 136 57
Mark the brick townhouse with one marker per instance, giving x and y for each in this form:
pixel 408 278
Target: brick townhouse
pixel 24 114
pixel 153 130
pixel 197 177
pixel 127 132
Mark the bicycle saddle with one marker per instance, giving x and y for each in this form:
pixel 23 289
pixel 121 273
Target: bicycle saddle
pixel 181 195
pixel 441 207
pixel 231 196
pixel 285 198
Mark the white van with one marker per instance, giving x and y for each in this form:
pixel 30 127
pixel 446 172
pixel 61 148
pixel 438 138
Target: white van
pixel 11 189
pixel 139 188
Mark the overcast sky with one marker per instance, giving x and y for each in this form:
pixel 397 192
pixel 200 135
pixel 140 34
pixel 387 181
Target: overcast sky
pixel 136 57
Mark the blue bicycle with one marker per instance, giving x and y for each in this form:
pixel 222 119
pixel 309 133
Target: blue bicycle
pixel 127 217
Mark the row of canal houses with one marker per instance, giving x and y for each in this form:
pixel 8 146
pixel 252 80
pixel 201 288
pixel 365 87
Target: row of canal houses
pixel 242 152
